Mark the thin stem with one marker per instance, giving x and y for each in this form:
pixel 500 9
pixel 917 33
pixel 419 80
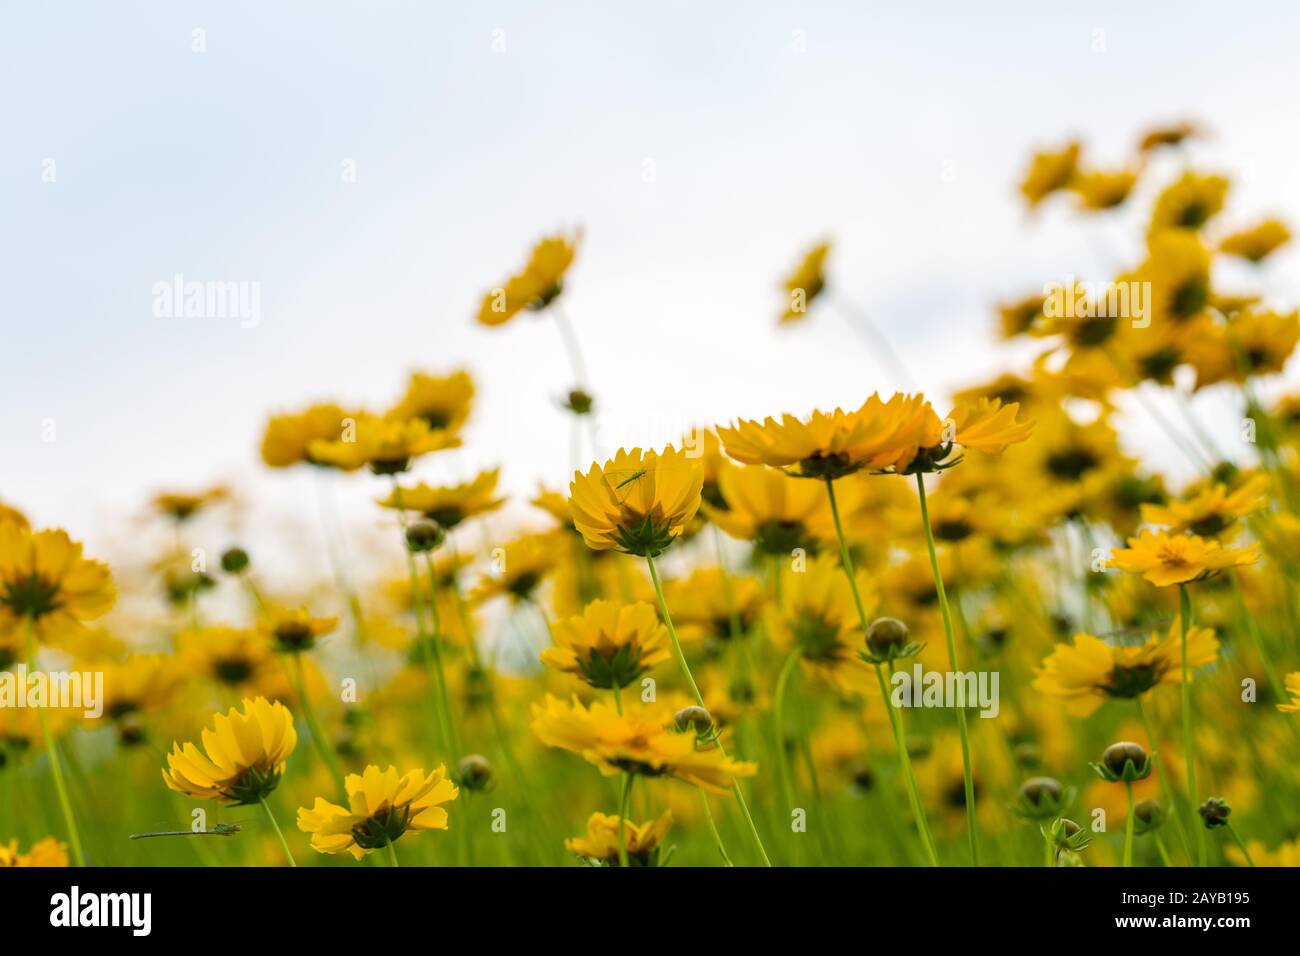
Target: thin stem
pixel 895 718
pixel 436 641
pixel 1189 750
pixel 713 828
pixel 284 844
pixel 1164 853
pixel 1154 743
pixel 56 768
pixel 1128 825
pixel 313 725
pixel 968 774
pixel 392 854
pixel 622 818
pixel 778 720
pixel 1240 845
pixel 699 699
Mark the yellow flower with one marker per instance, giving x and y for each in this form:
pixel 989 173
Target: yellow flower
pixel 245 755
pixel 1022 317
pixel 1103 189
pixel 441 401
pixel 636 502
pixel 1190 202
pixel 555 504
pixel 387 445
pixel 537 286
pixel 1212 511
pixel 1173 135
pixel 140 684
pixel 637 741
pixel 1049 172
pixel 1087 673
pixel 10 515
pixel 704 601
pixel 640 841
pixel 293 630
pixel 44 579
pixel 1178 268
pixel 287 438
pixel 449 505
pixel 1165 559
pixel 1256 243
pixel 381 807
pixel 768 507
pixel 818 616
pixel 988 426
pixel 806 283
pixel 48 852
pixel 608 645
pixel 1288 854
pixel 183 505
pixel 232 657
pixel 1292 688
pixel 520 568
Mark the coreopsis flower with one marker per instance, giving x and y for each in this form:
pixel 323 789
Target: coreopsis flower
pixel 818 617
pixel 246 751
pixel 1258 242
pixel 449 505
pixel 776 512
pixel 235 658
pixel 555 504
pixel 1165 559
pixel 45 580
pixel 1178 268
pixel 381 807
pixel 1252 342
pixel 1173 135
pixel 441 401
pixel 877 436
pixel 537 286
pixel 1049 172
pixel 608 645
pixel 637 502
pixel 1189 202
pixel 288 438
pixel 642 842
pixel 706 600
pixel 805 283
pixel 1212 511
pixel 138 686
pixel 1103 189
pixel 520 567
pixel 48 852
pixel 1085 674
pixel 1021 317
pixel 386 445
pixel 642 740
pixel 9 515
pixel 182 505
pixel 1293 690
pixel 294 630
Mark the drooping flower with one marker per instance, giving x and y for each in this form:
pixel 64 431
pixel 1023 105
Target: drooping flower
pixel 805 283
pixel 382 806
pixel 637 502
pixel 642 842
pixel 608 645
pixel 1085 674
pixel 245 753
pixel 45 579
pixel 1165 559
pixel 534 288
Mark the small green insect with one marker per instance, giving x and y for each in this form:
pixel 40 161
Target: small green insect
pixel 619 494
pixel 221 829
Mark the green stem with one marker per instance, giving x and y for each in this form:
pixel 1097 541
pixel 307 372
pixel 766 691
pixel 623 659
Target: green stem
pixel 1128 826
pixel 56 768
pixel 968 774
pixel 313 725
pixel 448 713
pixel 895 718
pixel 1240 845
pixel 778 720
pixel 699 699
pixel 1175 802
pixel 1189 750
pixel 622 818
pixel 1164 853
pixel 713 828
pixel 284 844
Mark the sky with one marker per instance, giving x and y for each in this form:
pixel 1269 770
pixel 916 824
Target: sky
pixel 373 168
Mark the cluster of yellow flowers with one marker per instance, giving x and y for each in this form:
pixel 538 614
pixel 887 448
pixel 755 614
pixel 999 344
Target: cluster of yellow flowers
pixel 778 638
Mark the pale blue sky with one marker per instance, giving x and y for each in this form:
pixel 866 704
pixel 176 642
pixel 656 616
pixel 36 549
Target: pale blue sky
pixel 899 133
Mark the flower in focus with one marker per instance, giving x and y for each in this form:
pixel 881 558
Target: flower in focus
pixel 387 445
pixel 441 401
pixel 45 579
pixel 806 283
pixel 537 286
pixel 381 807
pixel 636 502
pixel 1088 672
pixel 638 741
pixel 246 752
pixel 608 646
pixel 1165 559
pixel 48 852
pixel 601 842
pixel 449 505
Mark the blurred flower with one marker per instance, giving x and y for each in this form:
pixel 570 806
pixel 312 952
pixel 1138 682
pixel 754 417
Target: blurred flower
pixel 537 286
pixel 288 438
pixel 641 841
pixel 441 401
pixel 1103 189
pixel 180 505
pixel 1164 559
pixel 608 646
pixel 449 505
pixel 806 283
pixel 294 630
pixel 1049 172
pixel 45 579
pixel 1293 689
pixel 1212 511
pixel 519 568
pixel 1189 202
pixel 1258 242
pixel 48 852
pixel 386 445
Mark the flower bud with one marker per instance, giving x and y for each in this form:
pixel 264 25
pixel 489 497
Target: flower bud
pixel 234 560
pixel 423 536
pixel 1215 813
pixel 886 634
pixel 1118 756
pixel 695 719
pixel 474 772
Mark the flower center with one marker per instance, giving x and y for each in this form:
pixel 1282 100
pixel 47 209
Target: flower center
pixel 32 596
